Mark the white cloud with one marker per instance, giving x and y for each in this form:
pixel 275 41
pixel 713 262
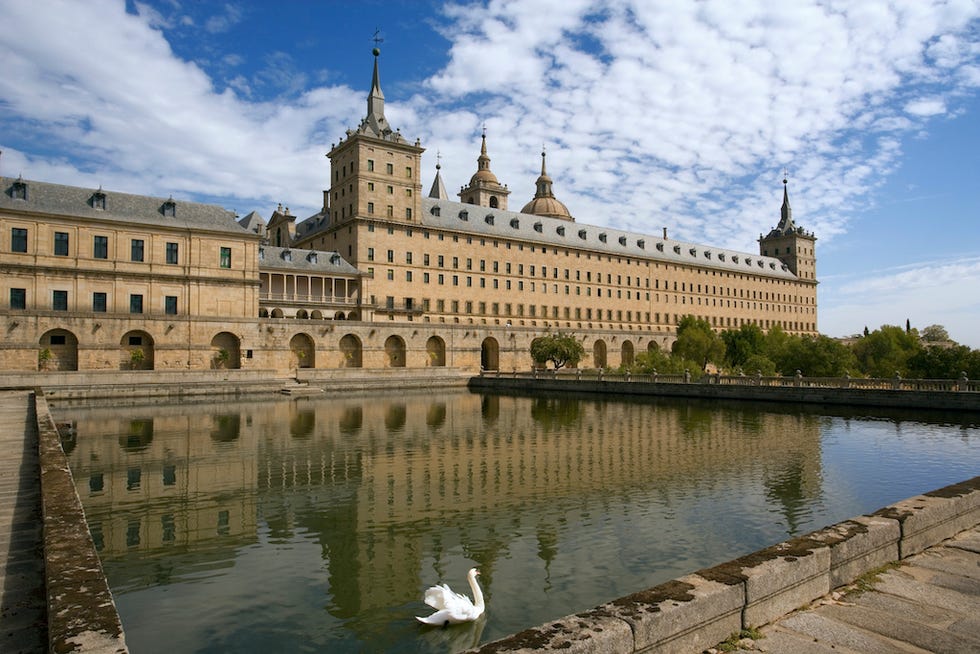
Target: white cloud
pixel 926 107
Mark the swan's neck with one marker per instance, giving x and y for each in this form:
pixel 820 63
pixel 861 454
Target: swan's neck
pixel 477 593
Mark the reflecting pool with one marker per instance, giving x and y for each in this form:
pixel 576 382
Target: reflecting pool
pixel 313 525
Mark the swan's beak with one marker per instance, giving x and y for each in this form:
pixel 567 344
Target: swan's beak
pixel 477 573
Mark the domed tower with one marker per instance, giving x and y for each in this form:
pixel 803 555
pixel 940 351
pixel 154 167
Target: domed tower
pixel 545 203
pixel 792 245
pixel 484 189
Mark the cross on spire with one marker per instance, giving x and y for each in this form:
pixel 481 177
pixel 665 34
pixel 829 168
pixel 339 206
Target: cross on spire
pixel 377 37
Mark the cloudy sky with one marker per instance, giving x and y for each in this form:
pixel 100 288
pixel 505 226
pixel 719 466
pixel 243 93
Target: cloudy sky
pixel 683 114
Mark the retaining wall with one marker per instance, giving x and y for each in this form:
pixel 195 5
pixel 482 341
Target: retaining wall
pixel 698 611
pixel 82 615
pixel 878 397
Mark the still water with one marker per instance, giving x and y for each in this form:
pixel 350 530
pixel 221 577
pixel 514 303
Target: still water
pixel 315 525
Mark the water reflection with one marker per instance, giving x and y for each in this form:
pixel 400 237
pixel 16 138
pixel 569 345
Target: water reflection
pixel 341 511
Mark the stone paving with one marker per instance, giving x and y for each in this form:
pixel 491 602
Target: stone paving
pixel 930 602
pixel 23 604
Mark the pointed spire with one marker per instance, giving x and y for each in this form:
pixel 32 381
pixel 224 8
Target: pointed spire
pixel 544 202
pixel 543 182
pixel 438 191
pixel 785 212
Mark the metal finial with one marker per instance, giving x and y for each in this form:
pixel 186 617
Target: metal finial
pixel 438 159
pixel 377 36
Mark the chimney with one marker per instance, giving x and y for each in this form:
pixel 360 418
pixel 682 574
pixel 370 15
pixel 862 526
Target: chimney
pixel 665 233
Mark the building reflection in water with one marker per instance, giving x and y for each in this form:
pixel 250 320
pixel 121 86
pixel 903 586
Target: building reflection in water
pixel 393 490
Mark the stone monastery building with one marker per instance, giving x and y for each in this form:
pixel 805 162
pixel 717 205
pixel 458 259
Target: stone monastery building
pixel 383 276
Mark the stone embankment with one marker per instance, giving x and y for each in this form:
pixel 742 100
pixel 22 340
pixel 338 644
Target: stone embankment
pixel 700 610
pixel 946 395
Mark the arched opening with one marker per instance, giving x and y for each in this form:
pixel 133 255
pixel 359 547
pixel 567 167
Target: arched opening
pixel 302 314
pixel 627 353
pixel 263 313
pixel 339 315
pixel 395 352
pixel 136 351
pixel 353 315
pixel 226 351
pixel 435 347
pixel 302 353
pixel 316 314
pixel 277 313
pixel 494 203
pixel 350 351
pixel 599 354
pixel 490 354
pixel 58 350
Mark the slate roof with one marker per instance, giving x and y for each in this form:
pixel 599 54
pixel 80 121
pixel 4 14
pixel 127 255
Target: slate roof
pixel 555 232
pixel 79 202
pixel 311 261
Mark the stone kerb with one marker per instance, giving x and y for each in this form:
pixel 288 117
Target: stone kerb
pixel 592 632
pixel 935 516
pixel 685 615
pixel 777 579
pixel 859 545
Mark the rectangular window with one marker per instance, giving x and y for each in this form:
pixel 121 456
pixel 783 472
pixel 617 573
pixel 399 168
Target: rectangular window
pixel 390 169
pixel 370 165
pixel 370 254
pixel 18 240
pixel 170 305
pixel 18 298
pixel 391 256
pixel 99 304
pixel 370 207
pixel 100 247
pixel 59 300
pixel 136 250
pixel 136 303
pixel 172 253
pixel 61 244
pixel 225 257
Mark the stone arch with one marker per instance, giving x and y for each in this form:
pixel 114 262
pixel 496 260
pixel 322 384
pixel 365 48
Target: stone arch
pixel 303 314
pixel 435 348
pixel 395 352
pixel 263 313
pixel 316 314
pixel 226 351
pixel 136 351
pixel 353 315
pixel 627 354
pixel 338 315
pixel 490 354
pixel 277 313
pixel 302 353
pixel 351 351
pixel 599 354
pixel 58 350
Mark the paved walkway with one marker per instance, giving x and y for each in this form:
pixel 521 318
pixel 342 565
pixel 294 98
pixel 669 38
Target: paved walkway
pixel 928 603
pixel 23 605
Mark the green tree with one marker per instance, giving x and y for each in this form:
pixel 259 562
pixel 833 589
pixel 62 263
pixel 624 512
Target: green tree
pixel 561 349
pixel 743 343
pixel 935 334
pixel 935 362
pixel 777 342
pixel 697 341
pixel 666 364
pixel 886 351
pixel 817 356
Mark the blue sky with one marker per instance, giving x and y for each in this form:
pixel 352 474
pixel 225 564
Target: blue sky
pixel 682 115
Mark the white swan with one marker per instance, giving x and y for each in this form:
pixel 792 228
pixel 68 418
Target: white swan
pixel 451 607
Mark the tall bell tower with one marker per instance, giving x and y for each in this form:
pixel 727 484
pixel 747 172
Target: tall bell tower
pixel 792 245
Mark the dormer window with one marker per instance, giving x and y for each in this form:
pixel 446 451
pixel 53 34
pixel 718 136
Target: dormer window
pixel 641 244
pixel 261 254
pixel 721 257
pixel 693 252
pixel 602 237
pixel 435 211
pixel 515 223
pixel 560 230
pixel 287 255
pixel 772 266
pixel 582 234
pixel 311 257
pixel 538 227
pixel 707 254
pixel 98 200
pixel 169 208
pixel 335 259
pixel 622 240
pixel 677 249
pixel 19 190
pixel 464 215
pixel 660 247
pixel 735 258
pixel 489 219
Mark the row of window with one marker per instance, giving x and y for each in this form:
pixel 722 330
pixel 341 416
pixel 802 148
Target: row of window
pixel 100 247
pixel 389 169
pixel 100 304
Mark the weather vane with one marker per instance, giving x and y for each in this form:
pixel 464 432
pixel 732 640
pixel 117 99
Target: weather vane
pixel 377 37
